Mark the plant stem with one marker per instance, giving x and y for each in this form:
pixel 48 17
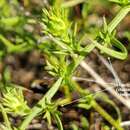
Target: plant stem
pixel 40 106
pixel 99 109
pixel 104 114
pixel 119 17
pixel 7 122
pixel 104 85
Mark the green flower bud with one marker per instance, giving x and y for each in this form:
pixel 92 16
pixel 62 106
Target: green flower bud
pixel 55 22
pixel 14 103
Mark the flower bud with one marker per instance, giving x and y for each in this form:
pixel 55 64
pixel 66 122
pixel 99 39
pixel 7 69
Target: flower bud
pixel 14 103
pixel 55 22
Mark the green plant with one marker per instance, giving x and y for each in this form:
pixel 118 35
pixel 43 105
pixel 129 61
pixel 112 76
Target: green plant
pixel 121 2
pixel 12 101
pixel 12 23
pixel 63 51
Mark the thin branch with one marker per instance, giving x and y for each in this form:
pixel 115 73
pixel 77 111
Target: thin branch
pixel 125 123
pixel 94 81
pixel 104 85
pixel 114 73
pixel 35 126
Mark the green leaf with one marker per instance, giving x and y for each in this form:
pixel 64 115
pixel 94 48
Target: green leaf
pixel 84 122
pixel 12 21
pixel 6 75
pixel 74 126
pixel 6 119
pixel 105 98
pixel 121 2
pixel 55 22
pixel 85 10
pixel 84 106
pixel 58 120
pixel 54 89
pixel 47 116
pixel 122 54
pixel 14 103
pixel 86 101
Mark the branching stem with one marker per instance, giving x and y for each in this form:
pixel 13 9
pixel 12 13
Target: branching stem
pixel 40 106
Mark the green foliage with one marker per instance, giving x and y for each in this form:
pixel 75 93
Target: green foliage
pixel 104 98
pixel 12 100
pixel 44 106
pixel 63 53
pixel 84 124
pixel 85 103
pixel 50 111
pixel 14 103
pixel 55 21
pixel 63 50
pixel 58 120
pixel 121 2
pixel 12 24
pixel 6 125
pixel 106 127
pixel 109 41
pixel 74 126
